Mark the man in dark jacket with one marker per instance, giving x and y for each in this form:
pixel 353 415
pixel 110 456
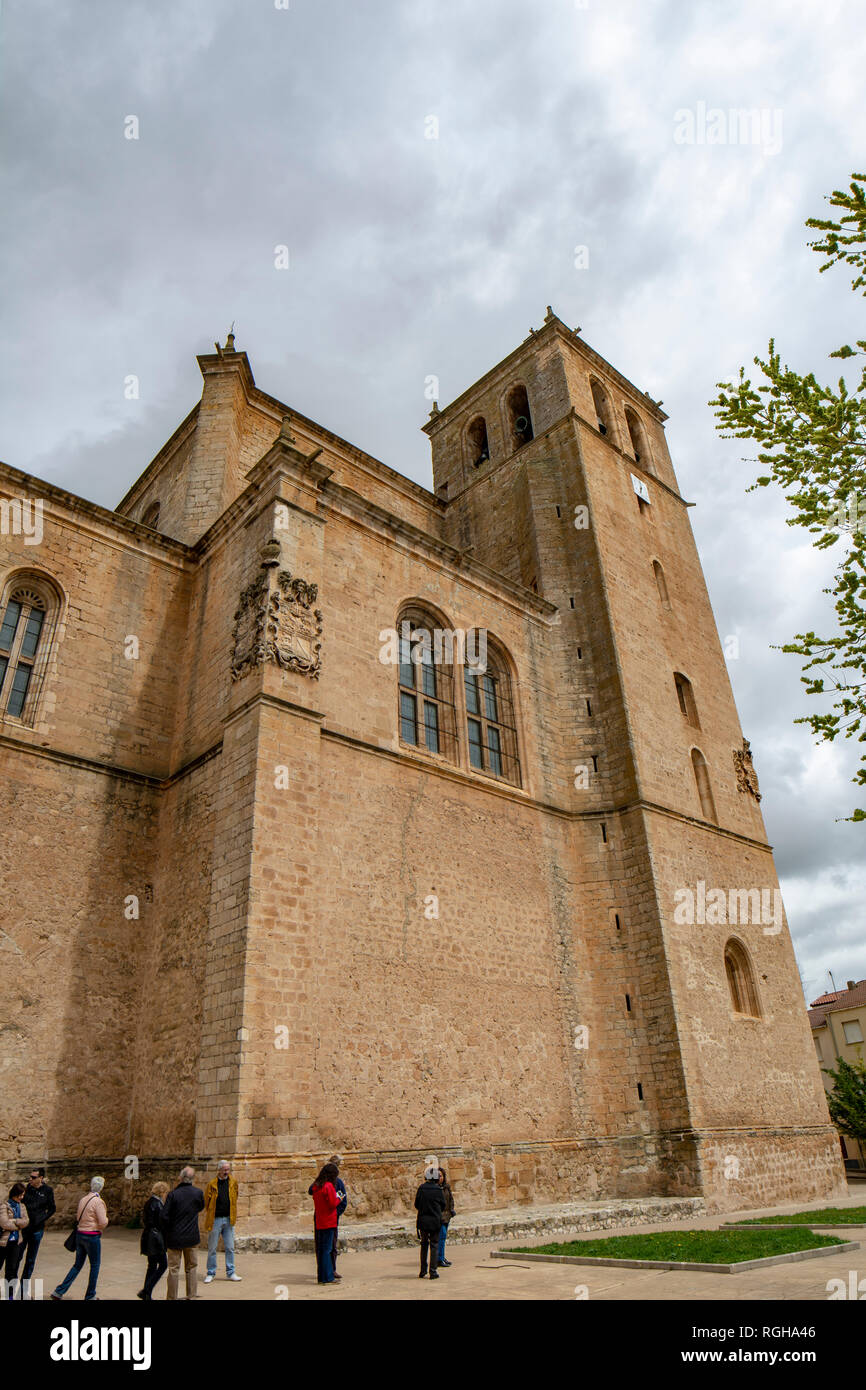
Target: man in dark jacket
pixel 430 1206
pixel 39 1201
pixel 180 1227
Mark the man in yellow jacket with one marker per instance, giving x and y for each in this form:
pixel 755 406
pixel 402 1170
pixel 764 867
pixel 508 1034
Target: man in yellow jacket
pixel 220 1215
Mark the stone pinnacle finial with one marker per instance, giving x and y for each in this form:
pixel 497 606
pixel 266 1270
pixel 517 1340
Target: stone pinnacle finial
pixel 286 430
pixel 435 410
pixel 549 315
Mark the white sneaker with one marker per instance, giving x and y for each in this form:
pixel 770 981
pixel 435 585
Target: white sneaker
pixel 208 1278
pixel 235 1278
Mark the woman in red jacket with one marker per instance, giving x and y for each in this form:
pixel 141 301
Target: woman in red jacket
pixel 326 1201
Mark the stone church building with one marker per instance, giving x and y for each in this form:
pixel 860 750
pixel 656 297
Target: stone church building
pixel 276 884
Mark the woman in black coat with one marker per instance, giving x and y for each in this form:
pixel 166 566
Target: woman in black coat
pixel 153 1241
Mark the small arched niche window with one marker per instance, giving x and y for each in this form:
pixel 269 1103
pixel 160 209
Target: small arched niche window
pixel 426 685
pixel 705 791
pixel 686 698
pixel 603 417
pixel 661 584
pixel 519 417
pixel 151 516
pixel 28 614
pixel 490 722
pixel 637 436
pixel 476 441
pixel 741 980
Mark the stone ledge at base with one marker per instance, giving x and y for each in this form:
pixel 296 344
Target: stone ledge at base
pixel 790 1258
pixel 484 1226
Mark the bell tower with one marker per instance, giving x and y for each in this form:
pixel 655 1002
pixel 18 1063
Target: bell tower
pixel 555 471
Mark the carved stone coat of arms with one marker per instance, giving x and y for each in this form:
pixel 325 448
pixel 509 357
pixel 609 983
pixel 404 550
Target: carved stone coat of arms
pixel 276 621
pixel 747 777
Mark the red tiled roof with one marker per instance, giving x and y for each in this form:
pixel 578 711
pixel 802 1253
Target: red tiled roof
pixel 832 1003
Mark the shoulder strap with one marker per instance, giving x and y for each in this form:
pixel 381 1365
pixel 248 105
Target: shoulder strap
pixel 80 1218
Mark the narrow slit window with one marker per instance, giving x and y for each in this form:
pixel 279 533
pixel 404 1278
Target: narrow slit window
pixel 686 699
pixel 661 584
pixel 741 981
pixel 702 781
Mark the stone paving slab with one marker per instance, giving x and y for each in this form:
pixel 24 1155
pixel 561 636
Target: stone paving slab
pixel 392 1276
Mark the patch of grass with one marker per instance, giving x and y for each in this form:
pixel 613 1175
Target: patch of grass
pixel 827 1216
pixel 694 1247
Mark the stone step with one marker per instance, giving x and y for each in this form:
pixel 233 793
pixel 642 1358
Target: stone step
pixel 483 1226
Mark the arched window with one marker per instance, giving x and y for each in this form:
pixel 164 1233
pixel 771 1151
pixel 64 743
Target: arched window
pixel 151 516
pixel 490 721
pixel 476 440
pixel 686 698
pixel 426 685
pixel 741 980
pixel 603 417
pixel 519 417
pixel 661 584
pixel 637 435
pixel 705 791
pixel 27 618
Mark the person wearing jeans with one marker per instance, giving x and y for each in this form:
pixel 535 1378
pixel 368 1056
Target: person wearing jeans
pixel 220 1215
pixel 91 1221
pixel 39 1201
pixel 449 1212
pixel 326 1200
pixel 13 1223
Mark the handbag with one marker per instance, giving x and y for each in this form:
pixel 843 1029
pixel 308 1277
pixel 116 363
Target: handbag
pixel 69 1243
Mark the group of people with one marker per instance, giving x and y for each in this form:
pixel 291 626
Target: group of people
pixel 170 1228
pixel 434 1205
pixel 22 1225
pixel 170 1232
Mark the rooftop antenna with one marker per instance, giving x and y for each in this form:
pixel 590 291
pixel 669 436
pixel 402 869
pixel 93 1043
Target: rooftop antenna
pixel 832 981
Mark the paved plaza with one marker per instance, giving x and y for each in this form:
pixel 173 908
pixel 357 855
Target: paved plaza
pixel 376 1275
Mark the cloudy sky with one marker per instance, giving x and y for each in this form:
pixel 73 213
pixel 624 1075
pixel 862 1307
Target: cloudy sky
pixel 306 126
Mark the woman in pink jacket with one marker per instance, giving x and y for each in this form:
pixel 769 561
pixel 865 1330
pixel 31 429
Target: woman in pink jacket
pixel 91 1221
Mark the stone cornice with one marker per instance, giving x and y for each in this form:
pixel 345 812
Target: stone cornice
pixel 376 518
pixel 99 767
pixel 98 516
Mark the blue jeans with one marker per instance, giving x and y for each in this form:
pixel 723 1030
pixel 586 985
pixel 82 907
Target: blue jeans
pixel 325 1242
pixel 32 1240
pixel 86 1248
pixel 221 1227
pixel 443 1235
